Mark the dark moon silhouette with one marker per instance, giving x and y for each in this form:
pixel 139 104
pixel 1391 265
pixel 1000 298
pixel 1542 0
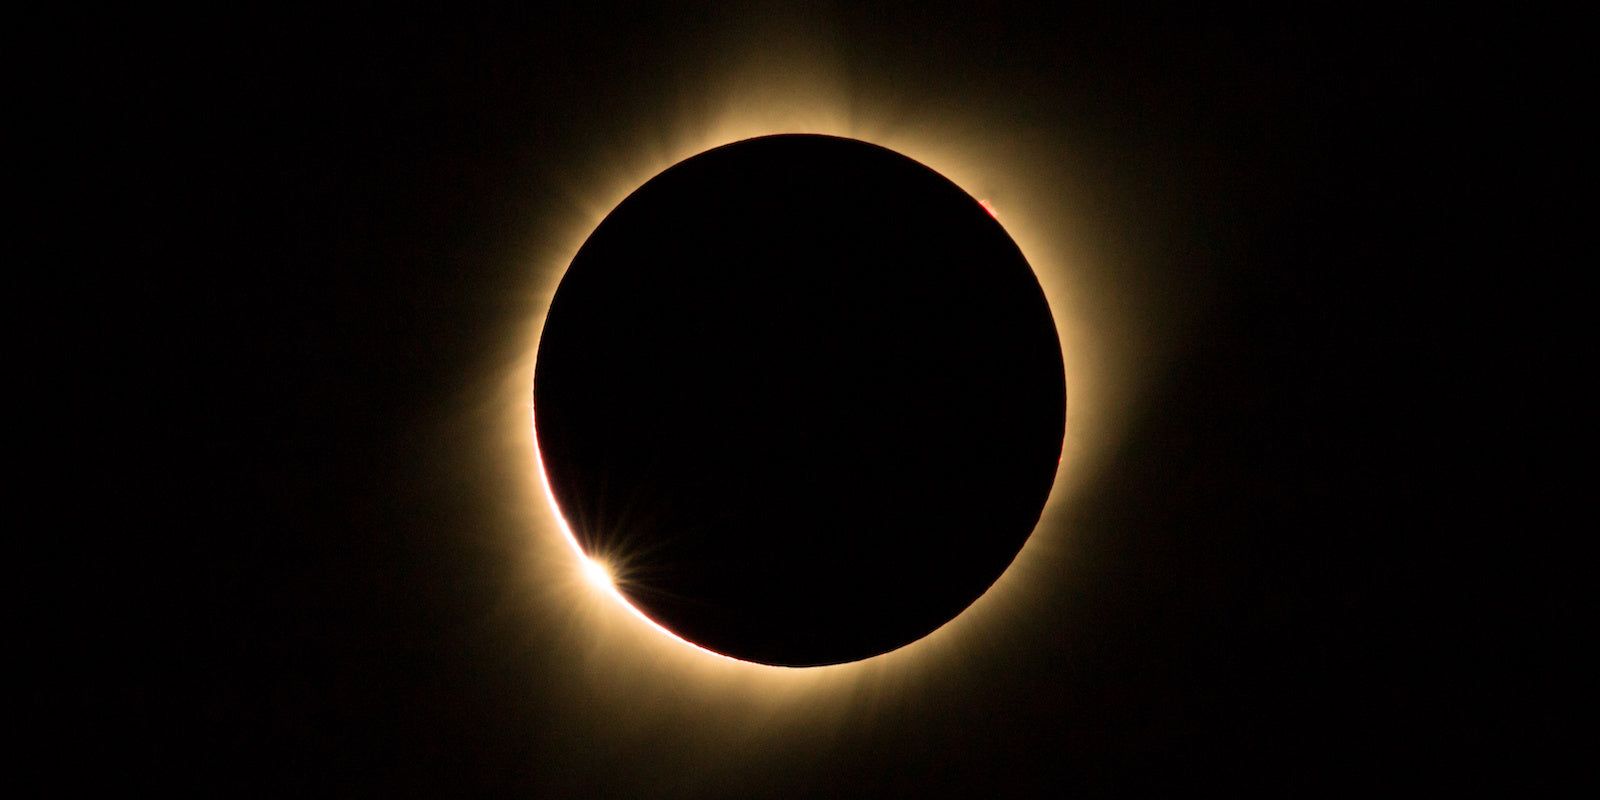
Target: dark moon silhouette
pixel 805 396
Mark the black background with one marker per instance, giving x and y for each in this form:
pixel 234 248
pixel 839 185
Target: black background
pixel 292 259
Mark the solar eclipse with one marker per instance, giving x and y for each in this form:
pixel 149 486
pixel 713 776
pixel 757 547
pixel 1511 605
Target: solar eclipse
pixel 314 261
pixel 802 397
pixel 1044 197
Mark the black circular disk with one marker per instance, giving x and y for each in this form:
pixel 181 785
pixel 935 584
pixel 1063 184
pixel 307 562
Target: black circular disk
pixel 804 396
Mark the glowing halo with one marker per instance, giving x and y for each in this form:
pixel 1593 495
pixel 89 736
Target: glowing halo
pixel 1028 182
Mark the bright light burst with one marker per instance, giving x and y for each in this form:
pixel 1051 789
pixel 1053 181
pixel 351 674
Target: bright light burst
pixel 597 574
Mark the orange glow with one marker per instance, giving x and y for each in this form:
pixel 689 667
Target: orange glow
pixel 645 669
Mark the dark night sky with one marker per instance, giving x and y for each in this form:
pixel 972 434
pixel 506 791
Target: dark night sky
pixel 305 261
